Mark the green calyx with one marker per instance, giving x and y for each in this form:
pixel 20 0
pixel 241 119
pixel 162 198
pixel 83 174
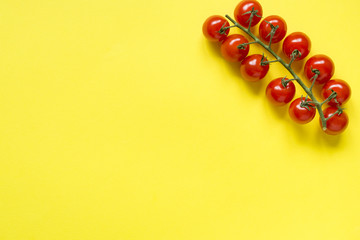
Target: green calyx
pixel 305 103
pixel 285 81
pixel 252 14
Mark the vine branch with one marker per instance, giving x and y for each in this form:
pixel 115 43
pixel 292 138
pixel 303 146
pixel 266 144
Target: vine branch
pixel 287 67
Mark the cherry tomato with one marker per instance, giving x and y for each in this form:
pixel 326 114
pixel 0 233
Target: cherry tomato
pixel 322 63
pixel 340 87
pixel 265 28
pixel 230 50
pixel 241 12
pixel 278 94
pixel 337 123
pixel 299 41
pixel 211 28
pixel 301 114
pixel 251 68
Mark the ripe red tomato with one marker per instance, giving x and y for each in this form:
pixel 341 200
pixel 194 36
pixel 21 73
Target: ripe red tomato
pixel 230 50
pixel 299 41
pixel 299 113
pixel 265 28
pixel 251 68
pixel 337 123
pixel 278 94
pixel 322 63
pixel 245 6
pixel 340 87
pixel 211 28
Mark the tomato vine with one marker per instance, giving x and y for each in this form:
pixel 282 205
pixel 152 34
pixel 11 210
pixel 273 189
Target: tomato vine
pixel 296 47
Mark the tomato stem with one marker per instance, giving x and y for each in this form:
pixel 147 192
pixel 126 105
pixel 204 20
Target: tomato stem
pixel 295 54
pixel 267 62
pixel 308 91
pixel 306 103
pixel 338 111
pixel 272 32
pixel 252 14
pixel 223 29
pixel 285 81
pixel 313 79
pixel 243 45
pixel 333 95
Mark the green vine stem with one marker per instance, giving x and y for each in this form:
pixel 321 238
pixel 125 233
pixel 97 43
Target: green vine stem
pixel 308 91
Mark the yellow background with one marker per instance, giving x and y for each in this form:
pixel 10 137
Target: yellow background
pixel 119 121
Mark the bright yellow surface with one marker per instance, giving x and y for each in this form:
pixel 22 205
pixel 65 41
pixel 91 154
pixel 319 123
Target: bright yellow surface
pixel 119 121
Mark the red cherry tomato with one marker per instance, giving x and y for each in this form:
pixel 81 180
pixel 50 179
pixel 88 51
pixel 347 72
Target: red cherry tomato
pixel 322 63
pixel 251 68
pixel 299 113
pixel 337 123
pixel 278 94
pixel 299 41
pixel 211 28
pixel 241 15
pixel 230 50
pixel 340 87
pixel 265 28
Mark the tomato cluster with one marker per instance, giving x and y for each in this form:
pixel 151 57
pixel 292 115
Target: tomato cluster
pixel 319 69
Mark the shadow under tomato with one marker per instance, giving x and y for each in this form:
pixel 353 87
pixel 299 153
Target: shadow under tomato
pixel 326 139
pixel 317 92
pixel 277 47
pixel 255 87
pixel 306 134
pixel 214 47
pixel 280 111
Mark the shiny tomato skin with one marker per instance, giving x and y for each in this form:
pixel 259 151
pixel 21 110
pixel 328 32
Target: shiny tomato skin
pixel 301 114
pixel 246 6
pixel 322 63
pixel 299 41
pixel 211 28
pixel 265 29
pixel 251 68
pixel 278 94
pixel 342 89
pixel 229 48
pixel 336 124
